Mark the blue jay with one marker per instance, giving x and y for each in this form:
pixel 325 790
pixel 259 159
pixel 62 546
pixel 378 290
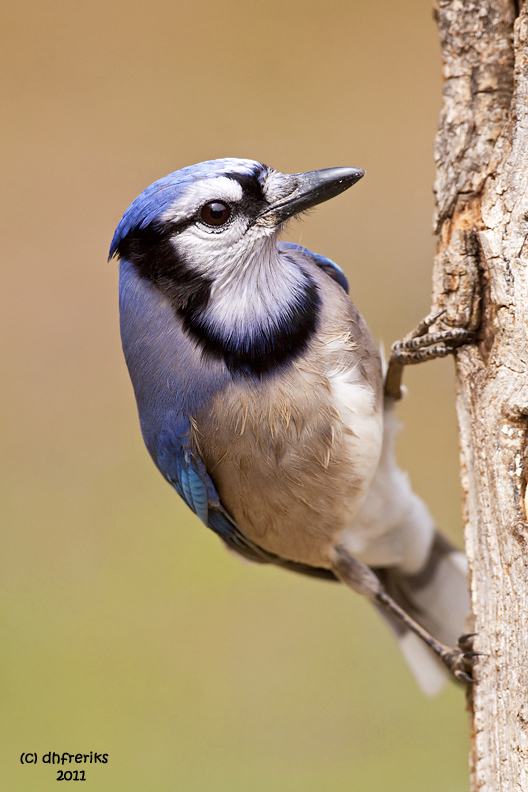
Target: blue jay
pixel 260 392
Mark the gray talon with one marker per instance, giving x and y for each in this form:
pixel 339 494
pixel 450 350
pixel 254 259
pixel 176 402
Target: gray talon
pixel 466 637
pixel 463 677
pixel 456 336
pixel 460 661
pixel 418 346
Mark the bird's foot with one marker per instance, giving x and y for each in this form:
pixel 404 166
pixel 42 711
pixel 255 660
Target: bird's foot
pixel 420 345
pixel 460 661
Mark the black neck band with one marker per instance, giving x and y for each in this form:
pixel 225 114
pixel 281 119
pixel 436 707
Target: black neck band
pixel 257 354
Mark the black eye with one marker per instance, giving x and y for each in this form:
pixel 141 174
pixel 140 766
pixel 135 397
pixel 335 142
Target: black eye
pixel 215 213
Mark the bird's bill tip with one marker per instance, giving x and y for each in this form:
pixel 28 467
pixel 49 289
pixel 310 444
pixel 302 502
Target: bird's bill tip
pixel 312 188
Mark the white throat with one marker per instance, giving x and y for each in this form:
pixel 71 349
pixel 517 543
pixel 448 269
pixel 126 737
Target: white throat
pixel 254 285
pixel 254 291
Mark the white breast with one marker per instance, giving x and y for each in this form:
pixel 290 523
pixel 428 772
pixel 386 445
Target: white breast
pixel 363 421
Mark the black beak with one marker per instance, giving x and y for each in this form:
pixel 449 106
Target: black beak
pixel 313 188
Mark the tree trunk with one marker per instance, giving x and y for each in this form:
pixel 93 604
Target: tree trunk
pixel 481 279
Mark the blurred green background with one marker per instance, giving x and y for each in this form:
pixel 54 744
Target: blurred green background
pixel 126 628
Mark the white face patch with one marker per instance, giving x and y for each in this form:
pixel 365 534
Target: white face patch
pixel 253 285
pixel 199 193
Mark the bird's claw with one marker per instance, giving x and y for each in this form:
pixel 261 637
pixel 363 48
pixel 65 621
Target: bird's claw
pixel 466 641
pixel 460 661
pixel 419 345
pixel 464 678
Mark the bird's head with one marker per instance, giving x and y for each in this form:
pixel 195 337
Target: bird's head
pixel 224 205
pixel 206 236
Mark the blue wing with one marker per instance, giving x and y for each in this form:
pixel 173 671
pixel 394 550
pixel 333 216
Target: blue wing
pixel 326 264
pixel 182 466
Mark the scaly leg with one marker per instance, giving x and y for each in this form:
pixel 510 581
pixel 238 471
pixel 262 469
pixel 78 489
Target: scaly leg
pixel 361 578
pixel 418 346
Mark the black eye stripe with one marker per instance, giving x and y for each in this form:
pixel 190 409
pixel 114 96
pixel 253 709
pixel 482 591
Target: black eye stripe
pixel 215 213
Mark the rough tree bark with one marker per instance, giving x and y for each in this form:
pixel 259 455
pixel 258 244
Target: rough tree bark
pixel 480 279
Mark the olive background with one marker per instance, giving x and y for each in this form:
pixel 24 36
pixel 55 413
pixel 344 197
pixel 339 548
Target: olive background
pixel 126 627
